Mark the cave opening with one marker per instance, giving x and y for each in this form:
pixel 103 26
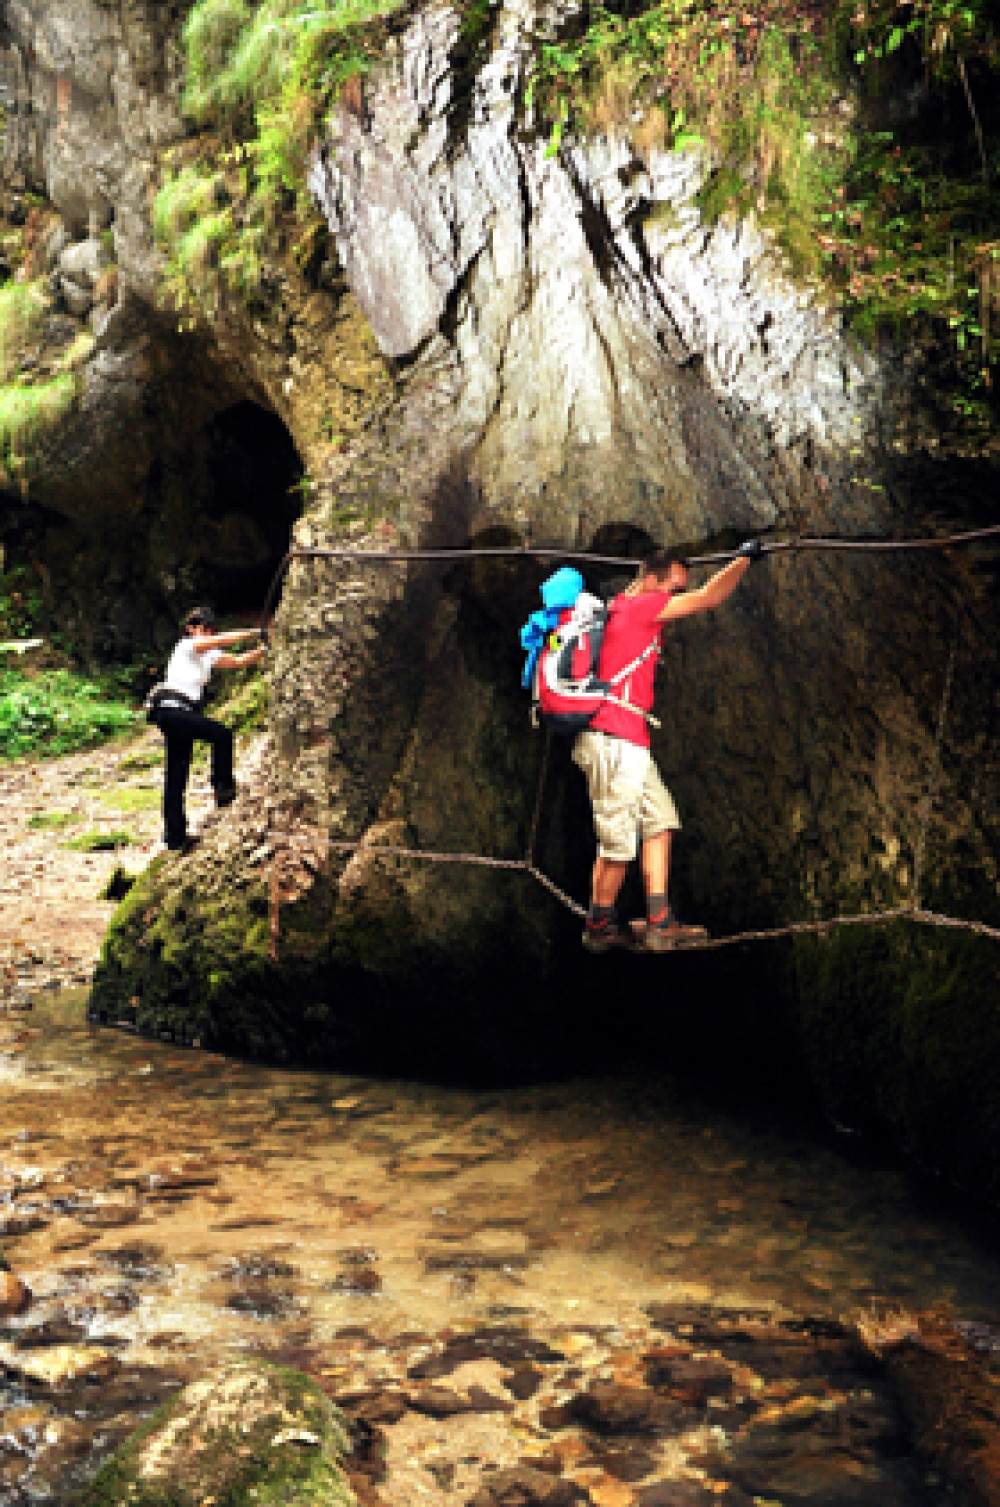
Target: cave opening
pixel 253 496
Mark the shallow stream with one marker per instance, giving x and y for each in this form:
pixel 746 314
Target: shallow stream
pixel 503 1279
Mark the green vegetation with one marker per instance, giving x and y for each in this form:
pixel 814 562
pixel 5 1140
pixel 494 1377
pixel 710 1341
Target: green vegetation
pixel 100 842
pixel 149 758
pixel 22 309
pixel 131 798
pixel 259 79
pixel 860 134
pixel 244 706
pixel 28 406
pixel 44 820
pixel 26 412
pixel 55 711
pixel 20 603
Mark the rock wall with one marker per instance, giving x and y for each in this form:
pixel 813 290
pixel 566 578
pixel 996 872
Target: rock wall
pixel 91 101
pixel 527 344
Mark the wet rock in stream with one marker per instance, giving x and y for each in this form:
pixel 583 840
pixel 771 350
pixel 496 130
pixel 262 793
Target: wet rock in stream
pixel 358 1274
pixel 607 1407
pixel 244 1431
pixel 526 1487
pixel 688 1494
pixel 15 1295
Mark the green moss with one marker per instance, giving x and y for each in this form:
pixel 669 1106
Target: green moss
pixel 245 705
pixel 252 1432
pixel 100 842
pixel 198 967
pixel 44 820
pixel 132 798
pixel 151 758
pixel 901 1030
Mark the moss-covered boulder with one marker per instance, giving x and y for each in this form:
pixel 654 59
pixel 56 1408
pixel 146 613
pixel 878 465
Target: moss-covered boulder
pixel 901 1030
pixel 245 1432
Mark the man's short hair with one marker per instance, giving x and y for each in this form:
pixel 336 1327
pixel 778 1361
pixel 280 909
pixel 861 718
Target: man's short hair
pixel 658 562
pixel 200 617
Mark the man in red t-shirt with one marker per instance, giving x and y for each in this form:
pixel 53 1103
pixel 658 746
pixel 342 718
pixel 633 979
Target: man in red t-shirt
pixel 629 799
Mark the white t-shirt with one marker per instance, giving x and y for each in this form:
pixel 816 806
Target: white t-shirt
pixel 188 671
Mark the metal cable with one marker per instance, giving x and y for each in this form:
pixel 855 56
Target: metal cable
pixel 553 889
pixel 759 934
pixel 389 850
pixel 528 552
pixel 831 923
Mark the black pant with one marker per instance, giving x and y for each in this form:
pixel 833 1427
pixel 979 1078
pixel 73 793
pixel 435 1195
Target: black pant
pixel 180 729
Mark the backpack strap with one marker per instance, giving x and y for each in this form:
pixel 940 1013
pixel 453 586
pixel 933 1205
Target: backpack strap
pixel 639 660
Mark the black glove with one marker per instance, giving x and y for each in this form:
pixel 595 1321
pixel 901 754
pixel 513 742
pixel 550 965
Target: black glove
pixel 751 550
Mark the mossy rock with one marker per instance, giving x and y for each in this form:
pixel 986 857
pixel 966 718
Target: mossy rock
pixel 245 1432
pixel 901 1031
pixel 197 967
pixel 357 985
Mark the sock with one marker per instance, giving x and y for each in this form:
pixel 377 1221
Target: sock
pixel 602 917
pixel 657 910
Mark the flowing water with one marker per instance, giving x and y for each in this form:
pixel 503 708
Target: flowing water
pixel 520 1249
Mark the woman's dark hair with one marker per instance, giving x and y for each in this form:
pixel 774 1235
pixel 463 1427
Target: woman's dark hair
pixel 659 561
pixel 199 617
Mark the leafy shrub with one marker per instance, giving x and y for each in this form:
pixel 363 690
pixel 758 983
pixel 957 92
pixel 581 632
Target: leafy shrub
pixel 56 711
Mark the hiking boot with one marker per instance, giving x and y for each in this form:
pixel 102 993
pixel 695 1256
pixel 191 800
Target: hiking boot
pixel 225 795
pixel 665 935
pixel 604 936
pixel 188 845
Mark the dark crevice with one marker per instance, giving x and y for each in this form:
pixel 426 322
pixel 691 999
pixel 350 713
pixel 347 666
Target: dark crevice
pixel 252 499
pixel 471 47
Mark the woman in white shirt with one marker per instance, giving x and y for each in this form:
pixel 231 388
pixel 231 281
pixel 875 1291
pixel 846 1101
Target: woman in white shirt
pixel 180 719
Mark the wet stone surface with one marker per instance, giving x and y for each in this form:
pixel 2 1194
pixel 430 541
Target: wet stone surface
pixel 746 1319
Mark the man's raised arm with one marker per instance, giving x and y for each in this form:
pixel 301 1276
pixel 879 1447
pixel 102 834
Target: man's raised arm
pixel 716 589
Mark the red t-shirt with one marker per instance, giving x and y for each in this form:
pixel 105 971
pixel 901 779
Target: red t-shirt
pixel 633 624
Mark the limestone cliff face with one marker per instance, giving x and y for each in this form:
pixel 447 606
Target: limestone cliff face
pixel 525 344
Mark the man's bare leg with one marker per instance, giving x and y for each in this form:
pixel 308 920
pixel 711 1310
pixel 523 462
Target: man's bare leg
pixel 661 930
pixel 603 929
pixel 656 863
pixel 608 878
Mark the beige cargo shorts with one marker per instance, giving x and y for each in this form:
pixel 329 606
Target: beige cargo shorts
pixel 630 801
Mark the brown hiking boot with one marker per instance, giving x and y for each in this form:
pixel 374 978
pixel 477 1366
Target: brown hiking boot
pixel 665 935
pixel 604 937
